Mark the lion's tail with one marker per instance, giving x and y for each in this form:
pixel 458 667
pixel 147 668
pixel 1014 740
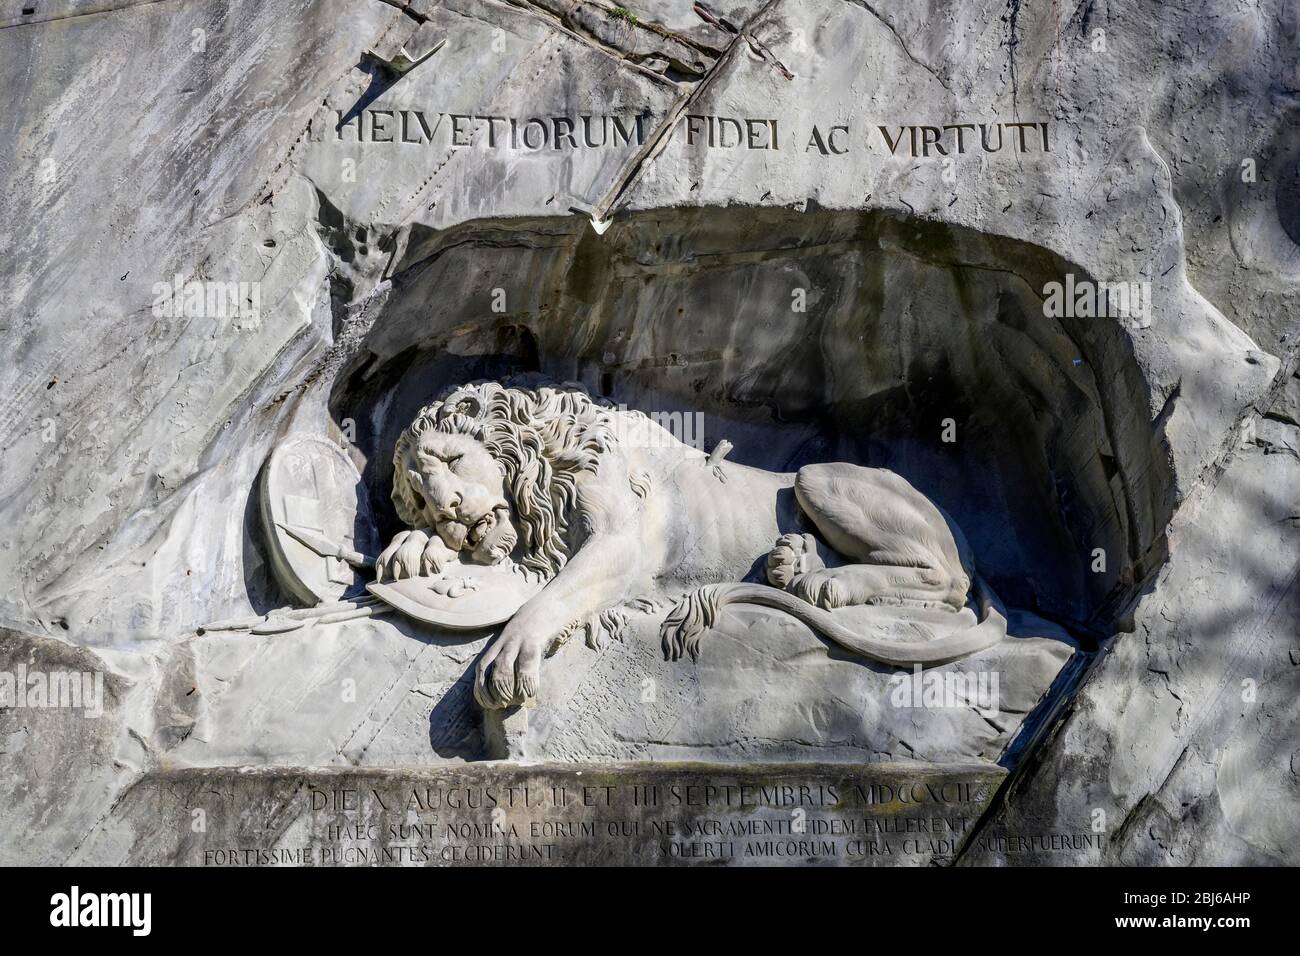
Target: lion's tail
pixel 687 623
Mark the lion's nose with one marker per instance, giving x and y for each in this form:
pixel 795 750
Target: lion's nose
pixel 445 503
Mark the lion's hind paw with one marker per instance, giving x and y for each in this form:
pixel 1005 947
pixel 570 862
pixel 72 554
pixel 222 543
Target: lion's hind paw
pixel 825 589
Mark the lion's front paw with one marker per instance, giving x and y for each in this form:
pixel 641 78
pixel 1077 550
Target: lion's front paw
pixel 411 554
pixel 792 555
pixel 510 671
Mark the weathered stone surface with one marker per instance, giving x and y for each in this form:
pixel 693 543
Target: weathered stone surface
pixel 1125 481
pixel 767 689
pixel 664 814
pixel 44 747
pixel 1182 744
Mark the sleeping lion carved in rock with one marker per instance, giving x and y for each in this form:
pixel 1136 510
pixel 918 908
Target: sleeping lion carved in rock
pixel 604 506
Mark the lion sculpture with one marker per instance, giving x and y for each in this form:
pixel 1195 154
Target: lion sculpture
pixel 604 505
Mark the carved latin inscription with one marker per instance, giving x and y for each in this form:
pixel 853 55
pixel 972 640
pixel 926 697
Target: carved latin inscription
pixel 918 140
pixel 964 137
pixel 531 134
pixel 417 127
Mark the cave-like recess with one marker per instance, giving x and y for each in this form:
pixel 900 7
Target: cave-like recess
pixel 910 332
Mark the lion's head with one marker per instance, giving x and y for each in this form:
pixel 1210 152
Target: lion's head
pixel 494 470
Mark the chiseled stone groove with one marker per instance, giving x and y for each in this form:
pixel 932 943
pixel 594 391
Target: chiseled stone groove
pixel 647 46
pixel 658 140
pixel 902 45
pixel 45 11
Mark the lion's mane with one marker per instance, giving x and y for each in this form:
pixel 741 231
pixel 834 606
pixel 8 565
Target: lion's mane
pixel 542 438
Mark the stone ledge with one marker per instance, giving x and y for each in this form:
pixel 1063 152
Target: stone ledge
pixel 666 814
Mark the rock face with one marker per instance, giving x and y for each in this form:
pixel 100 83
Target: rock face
pixel 1041 264
pixel 766 690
